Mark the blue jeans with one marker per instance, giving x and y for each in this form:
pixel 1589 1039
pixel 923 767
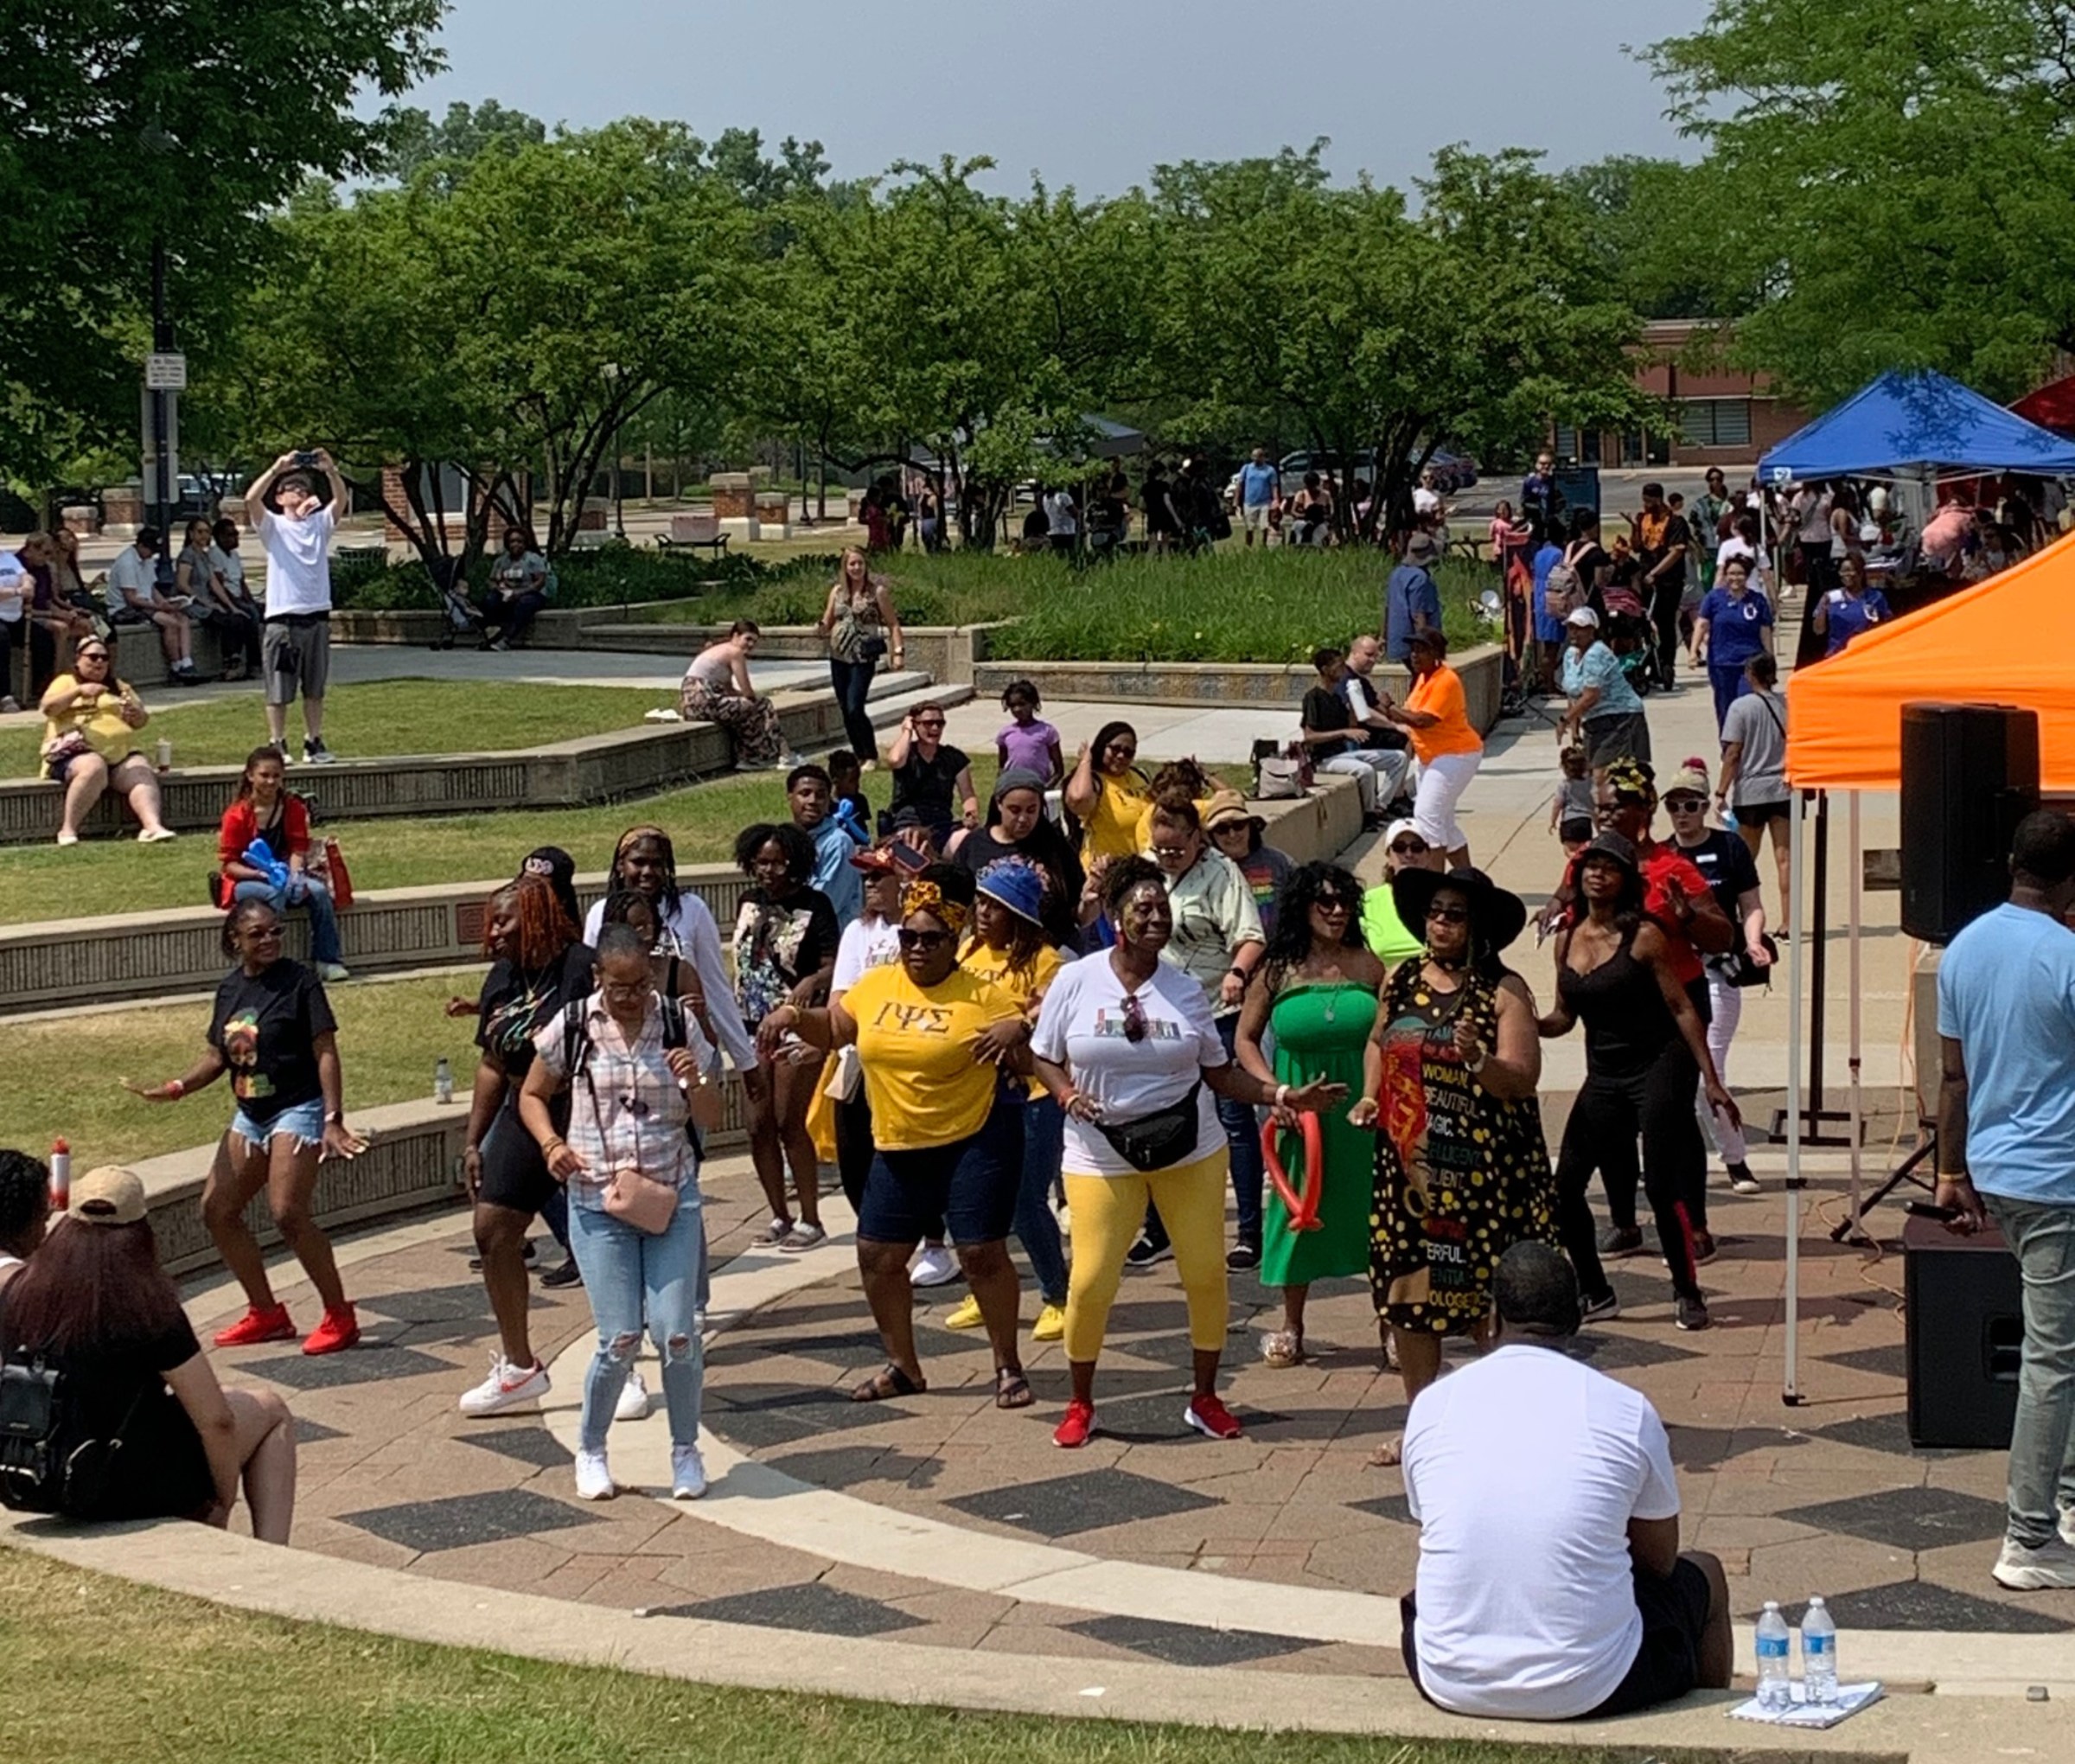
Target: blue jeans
pixel 302 891
pixel 2042 1441
pixel 1729 686
pixel 1242 1133
pixel 625 1273
pixel 1036 1227
pixel 852 682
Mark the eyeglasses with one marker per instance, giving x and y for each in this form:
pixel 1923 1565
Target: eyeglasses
pixel 1409 848
pixel 1448 915
pixel 921 940
pixel 1135 1018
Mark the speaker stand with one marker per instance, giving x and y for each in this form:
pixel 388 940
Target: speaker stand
pixel 1853 1227
pixel 1813 1117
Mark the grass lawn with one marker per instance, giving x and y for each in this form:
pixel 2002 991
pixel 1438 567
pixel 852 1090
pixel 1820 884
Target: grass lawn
pixel 1229 605
pixel 215 1686
pixel 382 718
pixel 390 1032
pixel 41 882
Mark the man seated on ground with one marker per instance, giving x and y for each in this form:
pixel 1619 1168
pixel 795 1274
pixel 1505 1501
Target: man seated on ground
pixel 25 1210
pixel 1329 732
pixel 1550 1581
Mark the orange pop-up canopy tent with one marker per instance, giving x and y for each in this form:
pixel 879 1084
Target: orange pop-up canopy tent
pixel 2010 641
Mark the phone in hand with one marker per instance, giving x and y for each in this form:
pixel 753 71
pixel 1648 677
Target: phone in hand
pixel 305 457
pixel 1931 1210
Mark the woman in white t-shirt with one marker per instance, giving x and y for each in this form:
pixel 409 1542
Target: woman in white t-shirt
pixel 1127 1048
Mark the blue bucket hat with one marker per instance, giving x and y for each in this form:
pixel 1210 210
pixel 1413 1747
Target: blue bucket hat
pixel 1015 886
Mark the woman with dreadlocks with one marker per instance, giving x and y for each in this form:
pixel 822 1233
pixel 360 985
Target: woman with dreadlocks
pixel 538 964
pixel 645 861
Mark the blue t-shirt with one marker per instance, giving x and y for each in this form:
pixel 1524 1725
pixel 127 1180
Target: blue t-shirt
pixel 1548 630
pixel 2006 994
pixel 1847 615
pixel 834 875
pixel 1258 484
pixel 1409 601
pixel 1734 626
pixel 1598 665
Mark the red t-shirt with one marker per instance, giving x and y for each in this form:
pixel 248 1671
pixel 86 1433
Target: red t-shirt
pixel 1666 873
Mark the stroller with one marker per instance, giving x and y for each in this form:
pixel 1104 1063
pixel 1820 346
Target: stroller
pixel 1631 636
pixel 464 617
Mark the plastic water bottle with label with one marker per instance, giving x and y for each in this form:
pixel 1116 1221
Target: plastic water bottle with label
pixel 1818 1656
pixel 442 1080
pixel 1775 1683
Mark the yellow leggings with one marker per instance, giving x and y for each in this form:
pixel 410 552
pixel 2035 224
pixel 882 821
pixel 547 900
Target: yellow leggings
pixel 1107 1213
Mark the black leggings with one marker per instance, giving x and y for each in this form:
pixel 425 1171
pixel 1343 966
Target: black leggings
pixel 1601 1134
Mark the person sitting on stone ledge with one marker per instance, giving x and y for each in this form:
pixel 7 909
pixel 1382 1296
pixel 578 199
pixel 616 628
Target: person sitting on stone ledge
pixel 1551 1585
pixel 96 1306
pixel 25 1210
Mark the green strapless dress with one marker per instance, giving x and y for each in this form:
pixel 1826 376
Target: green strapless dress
pixel 1321 1028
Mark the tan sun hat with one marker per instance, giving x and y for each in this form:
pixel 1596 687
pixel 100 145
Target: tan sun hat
pixel 108 1196
pixel 1227 808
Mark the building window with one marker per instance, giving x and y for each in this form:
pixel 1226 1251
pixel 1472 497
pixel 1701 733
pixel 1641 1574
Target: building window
pixel 1716 422
pixel 1567 442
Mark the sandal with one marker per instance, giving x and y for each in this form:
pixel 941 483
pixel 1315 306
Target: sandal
pixel 1011 1389
pixel 1388 1455
pixel 802 1236
pixel 774 1236
pixel 893 1382
pixel 1282 1347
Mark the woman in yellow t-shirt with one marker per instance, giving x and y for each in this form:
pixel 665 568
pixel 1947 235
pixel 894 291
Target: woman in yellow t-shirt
pixel 90 721
pixel 1008 949
pixel 1436 715
pixel 1107 794
pixel 949 1135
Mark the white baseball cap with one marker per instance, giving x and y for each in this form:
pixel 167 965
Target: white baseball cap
pixel 1584 615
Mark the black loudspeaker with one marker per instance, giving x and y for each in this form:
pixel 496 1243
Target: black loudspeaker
pixel 1963 1323
pixel 1970 774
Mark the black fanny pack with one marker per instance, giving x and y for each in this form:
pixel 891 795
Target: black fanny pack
pixel 1159 1140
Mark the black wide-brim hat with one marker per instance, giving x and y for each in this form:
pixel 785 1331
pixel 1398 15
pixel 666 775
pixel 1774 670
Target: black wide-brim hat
pixel 1496 916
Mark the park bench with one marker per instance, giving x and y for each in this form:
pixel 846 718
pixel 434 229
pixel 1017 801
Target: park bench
pixel 690 533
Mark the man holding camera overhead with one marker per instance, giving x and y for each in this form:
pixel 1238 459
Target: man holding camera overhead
pixel 296 534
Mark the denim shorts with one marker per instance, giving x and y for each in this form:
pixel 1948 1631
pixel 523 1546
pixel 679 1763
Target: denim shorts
pixel 971 1185
pixel 304 1123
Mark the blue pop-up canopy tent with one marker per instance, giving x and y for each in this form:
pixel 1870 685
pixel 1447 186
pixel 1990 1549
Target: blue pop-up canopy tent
pixel 1918 424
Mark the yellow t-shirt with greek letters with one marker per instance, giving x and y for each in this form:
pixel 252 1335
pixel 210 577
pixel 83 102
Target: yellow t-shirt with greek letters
pixel 924 1086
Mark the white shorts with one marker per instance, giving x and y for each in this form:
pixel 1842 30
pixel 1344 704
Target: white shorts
pixel 1255 517
pixel 1442 781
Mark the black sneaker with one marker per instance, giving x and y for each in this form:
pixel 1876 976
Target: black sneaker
pixel 315 751
pixel 1741 1181
pixel 1603 1309
pixel 1243 1257
pixel 568 1274
pixel 1690 1314
pixel 1620 1240
pixel 1147 1250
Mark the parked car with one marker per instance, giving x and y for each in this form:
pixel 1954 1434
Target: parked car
pixel 1453 473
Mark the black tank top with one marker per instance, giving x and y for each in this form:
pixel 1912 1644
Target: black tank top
pixel 1627 1024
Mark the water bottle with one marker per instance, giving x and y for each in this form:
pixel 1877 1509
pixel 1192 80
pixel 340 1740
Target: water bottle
pixel 1818 1655
pixel 442 1080
pixel 165 754
pixel 61 1175
pixel 1775 1688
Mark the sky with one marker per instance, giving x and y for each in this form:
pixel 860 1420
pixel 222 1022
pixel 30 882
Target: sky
pixel 1087 94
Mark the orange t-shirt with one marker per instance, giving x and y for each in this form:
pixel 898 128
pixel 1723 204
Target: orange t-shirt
pixel 1440 694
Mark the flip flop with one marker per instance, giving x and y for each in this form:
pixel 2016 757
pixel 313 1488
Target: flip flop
pixel 892 1381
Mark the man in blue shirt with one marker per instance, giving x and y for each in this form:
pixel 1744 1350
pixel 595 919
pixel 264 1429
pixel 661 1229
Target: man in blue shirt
pixel 1260 495
pixel 811 798
pixel 1411 601
pixel 2006 1150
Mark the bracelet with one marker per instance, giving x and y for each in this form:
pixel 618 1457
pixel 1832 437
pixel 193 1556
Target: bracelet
pixel 175 1089
pixel 1473 1067
pixel 548 1144
pixel 1282 1094
pixel 1955 1176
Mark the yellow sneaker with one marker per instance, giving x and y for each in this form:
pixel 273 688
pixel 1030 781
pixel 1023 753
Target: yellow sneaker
pixel 1051 1325
pixel 966 1316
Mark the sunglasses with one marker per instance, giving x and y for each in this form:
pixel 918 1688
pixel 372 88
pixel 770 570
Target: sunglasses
pixel 1169 851
pixel 1333 903
pixel 930 726
pixel 922 940
pixel 91 655
pixel 1409 848
pixel 1135 1018
pixel 1685 805
pixel 1448 915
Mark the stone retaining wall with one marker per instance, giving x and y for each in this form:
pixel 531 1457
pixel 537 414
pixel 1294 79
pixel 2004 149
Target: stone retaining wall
pixel 147 954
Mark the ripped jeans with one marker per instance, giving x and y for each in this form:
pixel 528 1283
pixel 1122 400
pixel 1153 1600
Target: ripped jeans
pixel 628 1274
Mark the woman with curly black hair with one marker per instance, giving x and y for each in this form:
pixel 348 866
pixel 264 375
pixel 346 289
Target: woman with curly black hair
pixel 1315 988
pixel 785 951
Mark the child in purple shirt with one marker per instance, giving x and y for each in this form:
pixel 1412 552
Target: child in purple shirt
pixel 1029 741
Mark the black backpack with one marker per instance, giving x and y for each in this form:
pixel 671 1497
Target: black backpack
pixel 49 1461
pixel 577 1044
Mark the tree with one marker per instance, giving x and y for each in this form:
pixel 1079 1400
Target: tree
pixel 416 143
pixel 1648 227
pixel 133 121
pixel 1897 185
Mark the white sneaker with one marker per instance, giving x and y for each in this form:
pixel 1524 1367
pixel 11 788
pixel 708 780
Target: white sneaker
pixel 687 1473
pixel 507 1387
pixel 2067 1526
pixel 594 1477
pixel 2052 1564
pixel 634 1400
pixel 331 971
pixel 933 1265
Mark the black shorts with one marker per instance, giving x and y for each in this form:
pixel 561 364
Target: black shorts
pixel 515 1174
pixel 1618 735
pixel 1758 814
pixel 1576 830
pixel 1666 1666
pixel 971 1185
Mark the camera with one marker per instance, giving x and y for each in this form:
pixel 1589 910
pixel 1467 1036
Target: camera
pixel 305 457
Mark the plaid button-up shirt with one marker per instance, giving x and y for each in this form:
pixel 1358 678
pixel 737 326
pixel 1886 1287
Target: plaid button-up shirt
pixel 626 1111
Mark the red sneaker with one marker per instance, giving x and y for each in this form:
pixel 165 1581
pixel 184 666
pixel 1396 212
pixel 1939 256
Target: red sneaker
pixel 1078 1424
pixel 1210 1416
pixel 340 1329
pixel 260 1323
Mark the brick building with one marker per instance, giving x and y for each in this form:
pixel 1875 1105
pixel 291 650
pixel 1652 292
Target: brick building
pixel 1726 416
